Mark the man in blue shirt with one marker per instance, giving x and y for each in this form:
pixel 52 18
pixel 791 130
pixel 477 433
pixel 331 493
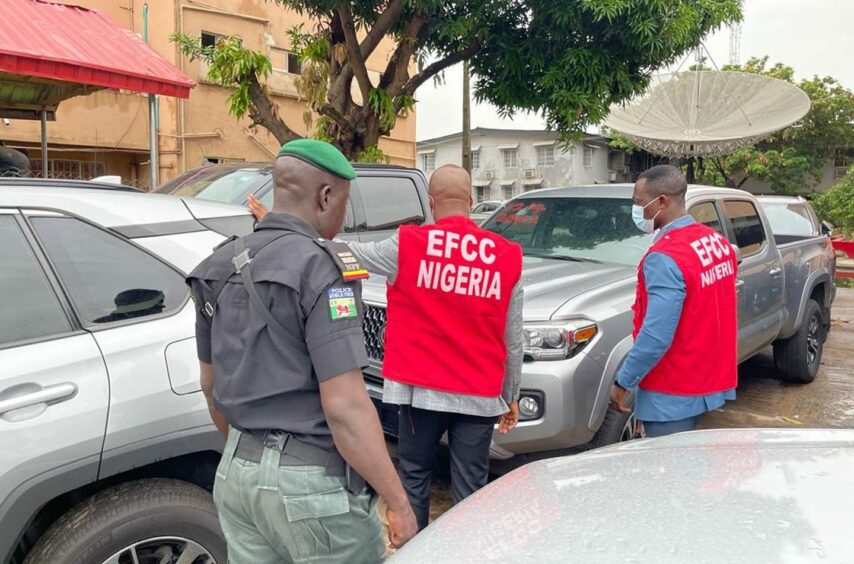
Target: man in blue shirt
pixel 659 203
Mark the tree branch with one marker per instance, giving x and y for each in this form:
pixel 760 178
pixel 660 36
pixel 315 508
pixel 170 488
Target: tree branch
pixel 397 70
pixel 432 70
pixel 380 28
pixel 264 113
pixel 354 54
pixel 331 112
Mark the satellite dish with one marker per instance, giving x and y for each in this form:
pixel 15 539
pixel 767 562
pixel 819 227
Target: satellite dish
pixel 708 113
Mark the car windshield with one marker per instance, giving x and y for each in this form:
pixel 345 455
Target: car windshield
pixel 228 185
pixel 588 229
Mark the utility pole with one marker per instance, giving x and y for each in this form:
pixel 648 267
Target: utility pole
pixel 153 110
pixel 466 118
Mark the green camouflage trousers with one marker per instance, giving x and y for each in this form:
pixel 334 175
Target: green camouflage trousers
pixel 292 514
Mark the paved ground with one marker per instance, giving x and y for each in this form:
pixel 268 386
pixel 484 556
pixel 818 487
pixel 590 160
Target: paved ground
pixel 765 401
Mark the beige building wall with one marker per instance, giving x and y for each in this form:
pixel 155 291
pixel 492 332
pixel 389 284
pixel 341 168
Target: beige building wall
pixel 112 128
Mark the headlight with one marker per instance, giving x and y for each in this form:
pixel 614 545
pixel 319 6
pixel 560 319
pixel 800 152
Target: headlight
pixel 557 340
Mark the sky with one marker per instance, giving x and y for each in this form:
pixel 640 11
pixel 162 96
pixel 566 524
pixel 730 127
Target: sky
pixel 815 37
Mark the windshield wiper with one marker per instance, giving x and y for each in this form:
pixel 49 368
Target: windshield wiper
pixel 563 257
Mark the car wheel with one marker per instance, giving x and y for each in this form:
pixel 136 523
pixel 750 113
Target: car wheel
pixel 143 522
pixel 798 357
pixel 617 427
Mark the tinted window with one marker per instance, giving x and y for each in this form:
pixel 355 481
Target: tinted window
pixel 749 232
pixel 219 184
pixel 349 221
pixel 789 219
pixel 108 278
pixel 588 228
pixel 707 214
pixel 29 305
pixel 390 202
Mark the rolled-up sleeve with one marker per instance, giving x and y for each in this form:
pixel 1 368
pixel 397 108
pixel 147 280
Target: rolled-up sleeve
pixel 333 331
pixel 379 257
pixel 515 341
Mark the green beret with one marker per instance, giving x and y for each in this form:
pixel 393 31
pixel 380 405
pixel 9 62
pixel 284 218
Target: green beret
pixel 320 154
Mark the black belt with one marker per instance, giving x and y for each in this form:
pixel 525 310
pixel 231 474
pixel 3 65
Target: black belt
pixel 294 452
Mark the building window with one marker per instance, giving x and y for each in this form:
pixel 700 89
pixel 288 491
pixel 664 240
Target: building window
pixel 285 61
pixel 480 194
pixel 428 162
pixel 588 156
pixel 507 192
pixel 68 169
pixel 210 39
pixel 475 160
pixel 220 160
pixel 546 155
pixel 511 158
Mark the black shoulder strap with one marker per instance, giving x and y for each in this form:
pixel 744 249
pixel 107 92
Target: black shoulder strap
pixel 242 264
pixel 218 286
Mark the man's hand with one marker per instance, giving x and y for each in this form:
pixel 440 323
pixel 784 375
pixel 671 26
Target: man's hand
pixel 402 525
pixel 618 398
pixel 508 421
pixel 258 209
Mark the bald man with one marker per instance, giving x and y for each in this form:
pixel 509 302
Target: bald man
pixel 279 336
pixel 453 340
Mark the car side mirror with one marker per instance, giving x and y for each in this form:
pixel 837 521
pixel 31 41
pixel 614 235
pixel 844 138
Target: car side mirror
pixel 737 254
pixel 826 228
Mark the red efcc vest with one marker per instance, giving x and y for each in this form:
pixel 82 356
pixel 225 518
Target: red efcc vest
pixel 703 357
pixel 447 308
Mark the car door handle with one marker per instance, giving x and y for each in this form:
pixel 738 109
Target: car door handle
pixel 776 272
pixel 739 284
pixel 51 394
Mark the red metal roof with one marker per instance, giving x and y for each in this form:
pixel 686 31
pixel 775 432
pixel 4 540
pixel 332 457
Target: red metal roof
pixel 73 44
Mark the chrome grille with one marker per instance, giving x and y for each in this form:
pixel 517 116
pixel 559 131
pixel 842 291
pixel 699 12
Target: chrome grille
pixel 373 325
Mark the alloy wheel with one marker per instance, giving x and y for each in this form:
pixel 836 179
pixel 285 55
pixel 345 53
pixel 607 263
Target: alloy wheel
pixel 163 550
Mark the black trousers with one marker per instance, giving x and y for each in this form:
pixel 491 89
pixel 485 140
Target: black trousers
pixel 419 433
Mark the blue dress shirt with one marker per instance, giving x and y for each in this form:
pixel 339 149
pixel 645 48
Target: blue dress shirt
pixel 665 288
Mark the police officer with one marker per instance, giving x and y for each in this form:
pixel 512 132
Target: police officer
pixel 280 342
pixel 685 323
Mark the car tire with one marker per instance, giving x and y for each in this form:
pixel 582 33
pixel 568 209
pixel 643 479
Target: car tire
pixel 798 357
pixel 144 516
pixel 617 427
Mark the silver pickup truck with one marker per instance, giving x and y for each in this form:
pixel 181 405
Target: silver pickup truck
pixel 581 253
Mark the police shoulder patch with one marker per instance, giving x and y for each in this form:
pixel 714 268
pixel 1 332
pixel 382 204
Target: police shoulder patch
pixel 342 303
pixel 344 259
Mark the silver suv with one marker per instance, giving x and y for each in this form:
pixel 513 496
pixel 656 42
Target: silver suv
pixel 108 449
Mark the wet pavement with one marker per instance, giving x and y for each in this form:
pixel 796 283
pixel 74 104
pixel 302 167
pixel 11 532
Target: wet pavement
pixel 828 401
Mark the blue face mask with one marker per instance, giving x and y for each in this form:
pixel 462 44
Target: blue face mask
pixel 644 224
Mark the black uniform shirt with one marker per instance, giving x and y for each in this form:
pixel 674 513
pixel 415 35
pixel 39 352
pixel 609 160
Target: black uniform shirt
pixel 262 381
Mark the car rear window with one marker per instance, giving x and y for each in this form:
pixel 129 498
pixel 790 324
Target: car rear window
pixel 228 185
pixel 747 226
pixel 789 219
pixel 108 278
pixel 390 202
